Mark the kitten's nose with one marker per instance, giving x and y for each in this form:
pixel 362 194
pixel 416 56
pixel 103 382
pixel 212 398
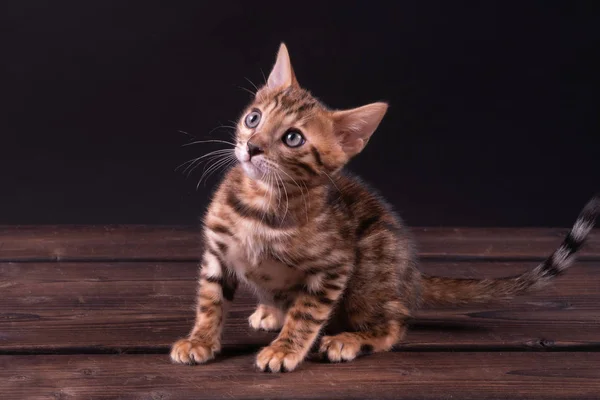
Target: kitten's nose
pixel 254 150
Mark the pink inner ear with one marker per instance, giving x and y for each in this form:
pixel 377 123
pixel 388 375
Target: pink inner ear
pixel 282 74
pixel 353 146
pixel 356 126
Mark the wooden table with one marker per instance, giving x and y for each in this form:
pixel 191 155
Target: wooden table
pixel 90 312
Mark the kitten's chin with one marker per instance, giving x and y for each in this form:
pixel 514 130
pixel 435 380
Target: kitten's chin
pixel 252 170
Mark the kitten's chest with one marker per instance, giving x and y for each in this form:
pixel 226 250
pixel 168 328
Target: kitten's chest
pixel 254 259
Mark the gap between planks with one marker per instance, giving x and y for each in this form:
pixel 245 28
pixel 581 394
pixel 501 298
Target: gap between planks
pixel 98 308
pixel 425 257
pixel 182 243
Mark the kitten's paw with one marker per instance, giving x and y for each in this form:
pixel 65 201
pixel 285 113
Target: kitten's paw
pixel 342 347
pixel 266 318
pixel 186 351
pixel 277 358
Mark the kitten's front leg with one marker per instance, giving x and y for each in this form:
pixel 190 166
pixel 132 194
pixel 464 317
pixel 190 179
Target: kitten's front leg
pixel 266 318
pixel 216 289
pixel 305 318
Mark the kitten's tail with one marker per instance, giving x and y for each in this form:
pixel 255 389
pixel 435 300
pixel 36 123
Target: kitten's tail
pixel 445 291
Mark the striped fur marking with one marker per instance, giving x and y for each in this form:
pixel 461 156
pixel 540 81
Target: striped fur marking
pixel 318 246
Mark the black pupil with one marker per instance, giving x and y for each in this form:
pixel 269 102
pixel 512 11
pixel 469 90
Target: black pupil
pixel 293 138
pixel 252 119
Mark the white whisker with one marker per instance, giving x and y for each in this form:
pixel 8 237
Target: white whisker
pixel 287 202
pixel 270 191
pixel 263 75
pixel 186 133
pixel 253 85
pixel 278 190
pixel 214 157
pixel 209 141
pixel 338 189
pixel 265 173
pixel 247 90
pixel 193 161
pixel 301 191
pixel 214 167
pixel 234 128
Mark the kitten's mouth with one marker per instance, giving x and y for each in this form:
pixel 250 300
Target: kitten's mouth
pixel 252 170
pixel 253 167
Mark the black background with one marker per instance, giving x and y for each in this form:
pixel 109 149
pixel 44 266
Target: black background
pixel 493 117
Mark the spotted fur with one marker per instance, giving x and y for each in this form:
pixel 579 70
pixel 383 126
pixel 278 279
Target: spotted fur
pixel 322 251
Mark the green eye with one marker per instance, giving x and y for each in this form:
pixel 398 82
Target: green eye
pixel 293 138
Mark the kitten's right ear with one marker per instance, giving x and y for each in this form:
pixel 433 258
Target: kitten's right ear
pixel 282 75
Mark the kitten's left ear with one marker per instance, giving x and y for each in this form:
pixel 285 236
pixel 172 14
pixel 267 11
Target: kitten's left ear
pixel 354 127
pixel 282 76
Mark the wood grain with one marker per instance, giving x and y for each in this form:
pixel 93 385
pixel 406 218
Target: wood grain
pixel 79 293
pixel 459 375
pixel 119 242
pixel 178 243
pixel 145 306
pixel 498 243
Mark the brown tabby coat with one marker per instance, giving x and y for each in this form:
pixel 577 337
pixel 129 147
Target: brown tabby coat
pixel 316 244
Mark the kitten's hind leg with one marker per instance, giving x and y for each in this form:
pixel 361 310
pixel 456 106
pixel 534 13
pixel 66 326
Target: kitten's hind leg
pixel 346 346
pixel 266 318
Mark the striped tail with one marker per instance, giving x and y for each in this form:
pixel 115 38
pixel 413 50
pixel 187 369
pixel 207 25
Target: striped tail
pixel 446 291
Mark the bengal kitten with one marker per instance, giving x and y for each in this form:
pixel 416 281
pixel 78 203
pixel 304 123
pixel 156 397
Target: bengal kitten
pixel 316 244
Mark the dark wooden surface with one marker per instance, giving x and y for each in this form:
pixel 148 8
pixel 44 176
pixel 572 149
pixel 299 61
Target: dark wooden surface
pixel 135 306
pixel 90 312
pixel 397 375
pixel 168 243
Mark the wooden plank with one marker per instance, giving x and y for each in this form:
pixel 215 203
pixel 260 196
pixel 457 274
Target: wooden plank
pixel 99 306
pixel 136 242
pixel 122 242
pixel 498 243
pixel 397 375
pixel 143 306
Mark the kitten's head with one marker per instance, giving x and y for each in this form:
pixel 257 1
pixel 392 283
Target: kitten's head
pixel 286 132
